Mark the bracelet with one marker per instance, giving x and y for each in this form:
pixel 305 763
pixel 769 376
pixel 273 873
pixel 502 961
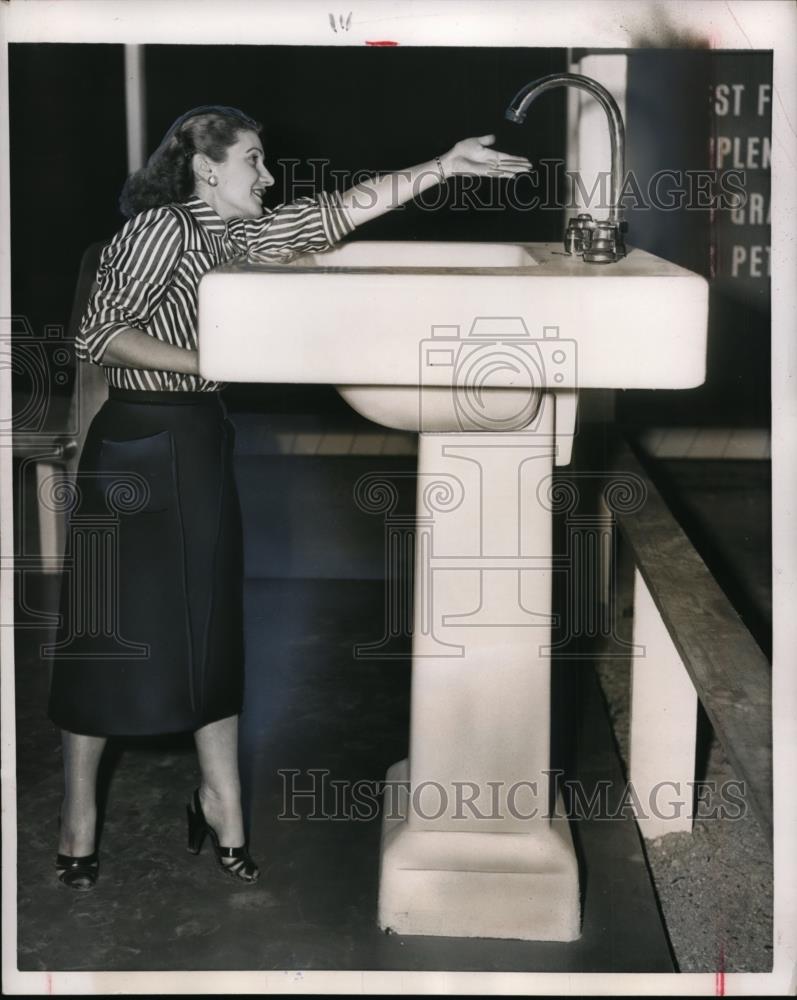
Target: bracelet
pixel 440 168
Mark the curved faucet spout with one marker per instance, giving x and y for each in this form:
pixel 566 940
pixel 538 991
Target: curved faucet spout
pixel 518 106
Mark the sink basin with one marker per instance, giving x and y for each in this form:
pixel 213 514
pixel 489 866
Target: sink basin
pixel 398 325
pixel 361 254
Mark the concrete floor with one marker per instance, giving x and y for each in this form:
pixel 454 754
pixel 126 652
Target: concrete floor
pixel 311 707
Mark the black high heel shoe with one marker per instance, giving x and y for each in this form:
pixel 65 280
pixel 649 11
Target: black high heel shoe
pixel 241 865
pixel 78 873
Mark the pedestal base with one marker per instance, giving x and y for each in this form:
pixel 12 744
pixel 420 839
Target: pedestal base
pixel 488 885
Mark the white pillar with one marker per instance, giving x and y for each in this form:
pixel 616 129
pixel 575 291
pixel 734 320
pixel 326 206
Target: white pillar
pixel 470 849
pixel 589 154
pixel 135 107
pixel 52 526
pixel 663 724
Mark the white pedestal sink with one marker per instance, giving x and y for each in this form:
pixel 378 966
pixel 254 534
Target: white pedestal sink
pixel 480 347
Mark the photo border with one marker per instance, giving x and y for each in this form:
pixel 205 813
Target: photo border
pixel 610 24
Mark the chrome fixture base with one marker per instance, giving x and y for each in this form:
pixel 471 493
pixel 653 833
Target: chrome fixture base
pixel 597 241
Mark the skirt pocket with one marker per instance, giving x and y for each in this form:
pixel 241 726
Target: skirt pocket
pixel 137 476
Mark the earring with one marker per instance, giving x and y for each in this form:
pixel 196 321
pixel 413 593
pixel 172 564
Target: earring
pixel 213 180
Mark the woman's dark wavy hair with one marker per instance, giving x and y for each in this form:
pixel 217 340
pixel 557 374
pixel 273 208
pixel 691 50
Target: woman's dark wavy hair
pixel 168 175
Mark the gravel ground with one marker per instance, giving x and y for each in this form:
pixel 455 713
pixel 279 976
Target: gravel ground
pixel 715 884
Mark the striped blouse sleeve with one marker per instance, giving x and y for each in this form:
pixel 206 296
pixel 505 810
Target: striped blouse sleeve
pixel 307 225
pixel 134 273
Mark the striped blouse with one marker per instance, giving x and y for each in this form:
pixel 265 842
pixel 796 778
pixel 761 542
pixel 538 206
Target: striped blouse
pixel 148 277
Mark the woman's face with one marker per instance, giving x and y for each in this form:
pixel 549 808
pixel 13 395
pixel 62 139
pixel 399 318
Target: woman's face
pixel 242 179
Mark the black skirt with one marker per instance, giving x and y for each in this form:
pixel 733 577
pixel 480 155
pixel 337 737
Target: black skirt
pixel 151 632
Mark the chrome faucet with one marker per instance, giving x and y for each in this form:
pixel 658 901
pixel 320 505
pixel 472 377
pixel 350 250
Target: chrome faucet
pixel 599 241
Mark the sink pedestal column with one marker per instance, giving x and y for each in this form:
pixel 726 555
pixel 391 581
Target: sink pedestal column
pixel 472 846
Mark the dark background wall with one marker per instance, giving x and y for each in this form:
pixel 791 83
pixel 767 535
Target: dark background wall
pixel 382 109
pixel 68 153
pixel 372 109
pixel 698 110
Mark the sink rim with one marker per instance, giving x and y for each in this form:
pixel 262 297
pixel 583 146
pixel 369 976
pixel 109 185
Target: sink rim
pixel 295 320
pixel 548 260
pixel 300 263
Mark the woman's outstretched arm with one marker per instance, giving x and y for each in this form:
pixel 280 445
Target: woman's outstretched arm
pixel 375 197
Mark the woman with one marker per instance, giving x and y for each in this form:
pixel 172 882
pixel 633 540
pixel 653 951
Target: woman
pixel 164 652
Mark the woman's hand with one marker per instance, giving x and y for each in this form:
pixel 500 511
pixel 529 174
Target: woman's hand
pixel 474 156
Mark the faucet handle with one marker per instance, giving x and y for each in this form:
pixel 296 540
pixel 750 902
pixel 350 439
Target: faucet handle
pixel 598 241
pixel 573 241
pixel 601 252
pixel 578 235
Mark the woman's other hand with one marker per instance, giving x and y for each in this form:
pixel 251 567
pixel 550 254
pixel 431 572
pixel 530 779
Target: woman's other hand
pixel 475 156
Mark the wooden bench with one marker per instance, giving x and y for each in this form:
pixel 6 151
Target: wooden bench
pixel 696 647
